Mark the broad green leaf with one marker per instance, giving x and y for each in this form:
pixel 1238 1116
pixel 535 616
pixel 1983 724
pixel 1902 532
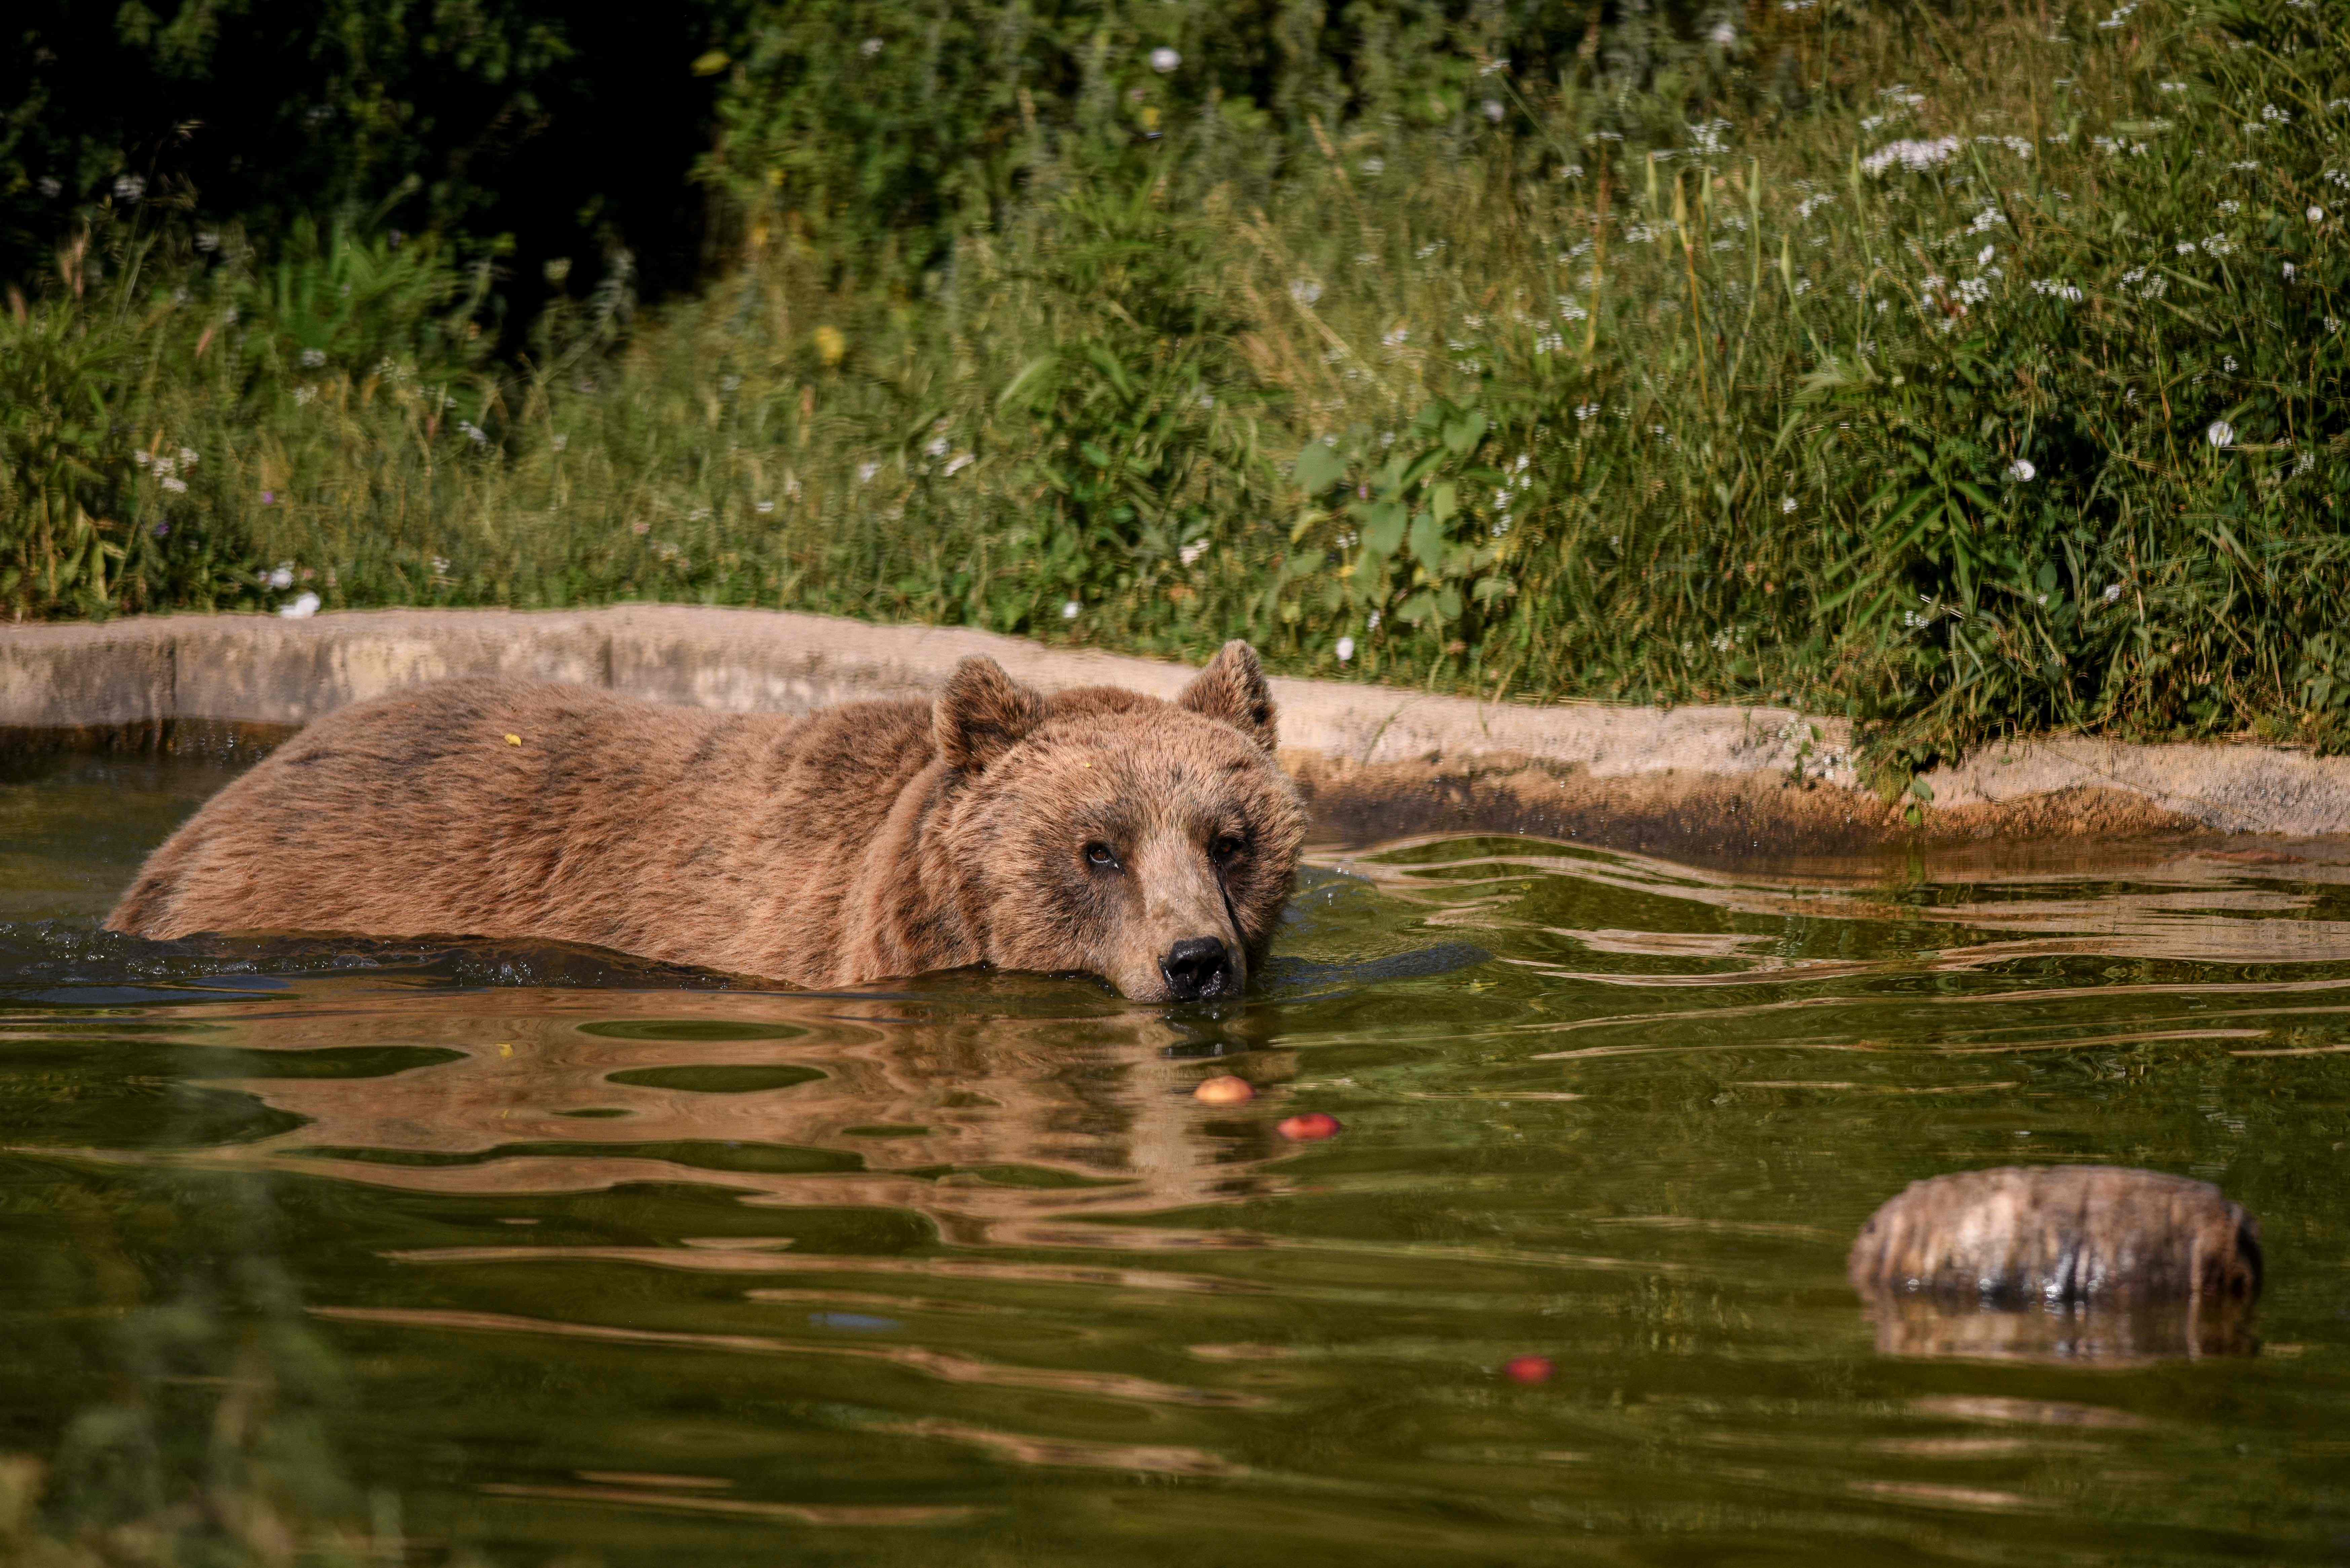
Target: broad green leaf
pixel 1464 433
pixel 1428 543
pixel 1443 500
pixel 1318 468
pixel 1383 525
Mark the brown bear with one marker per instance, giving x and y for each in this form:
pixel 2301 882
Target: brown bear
pixel 1098 830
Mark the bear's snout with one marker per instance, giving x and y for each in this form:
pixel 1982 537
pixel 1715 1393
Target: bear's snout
pixel 1199 967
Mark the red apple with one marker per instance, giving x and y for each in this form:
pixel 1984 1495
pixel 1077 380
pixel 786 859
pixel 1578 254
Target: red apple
pixel 1309 1126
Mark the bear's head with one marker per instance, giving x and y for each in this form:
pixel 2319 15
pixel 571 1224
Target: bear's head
pixel 1150 843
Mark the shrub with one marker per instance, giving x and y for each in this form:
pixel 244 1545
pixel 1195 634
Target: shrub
pixel 1984 378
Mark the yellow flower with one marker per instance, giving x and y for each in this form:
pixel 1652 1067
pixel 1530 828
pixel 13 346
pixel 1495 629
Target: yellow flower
pixel 830 345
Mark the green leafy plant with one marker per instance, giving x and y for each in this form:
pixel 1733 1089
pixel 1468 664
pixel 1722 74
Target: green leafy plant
pixel 1140 443
pixel 1407 549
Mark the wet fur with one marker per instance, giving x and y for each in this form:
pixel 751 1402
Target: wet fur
pixel 871 840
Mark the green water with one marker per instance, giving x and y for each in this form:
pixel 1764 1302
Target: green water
pixel 497 1256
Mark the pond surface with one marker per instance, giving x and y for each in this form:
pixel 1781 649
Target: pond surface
pixel 499 1256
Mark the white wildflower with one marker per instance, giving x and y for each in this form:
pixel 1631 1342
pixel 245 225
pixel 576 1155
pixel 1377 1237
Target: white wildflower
pixel 866 471
pixel 1193 550
pixel 301 609
pixel 176 486
pixel 1346 650
pixel 1164 59
pixel 2022 472
pixel 1493 110
pixel 2113 591
pixel 869 47
pixel 313 357
pixel 1071 610
pixel 1304 291
pixel 2220 434
pixel 1914 155
pixel 283 577
pixel 956 464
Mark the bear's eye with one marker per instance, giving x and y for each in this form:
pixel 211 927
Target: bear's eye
pixel 1101 856
pixel 1224 847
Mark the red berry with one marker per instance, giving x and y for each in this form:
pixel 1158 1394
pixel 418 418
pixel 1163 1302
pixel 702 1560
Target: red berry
pixel 1528 1368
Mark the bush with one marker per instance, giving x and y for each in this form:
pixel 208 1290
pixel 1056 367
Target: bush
pixel 1982 380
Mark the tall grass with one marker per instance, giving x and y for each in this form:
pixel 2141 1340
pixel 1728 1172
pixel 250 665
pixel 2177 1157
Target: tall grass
pixel 2039 428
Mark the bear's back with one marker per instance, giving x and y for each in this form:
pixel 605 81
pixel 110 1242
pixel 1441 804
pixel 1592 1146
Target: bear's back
pixel 502 809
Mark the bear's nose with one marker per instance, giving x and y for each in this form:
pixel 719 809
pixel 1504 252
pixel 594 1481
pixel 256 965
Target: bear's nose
pixel 1197 966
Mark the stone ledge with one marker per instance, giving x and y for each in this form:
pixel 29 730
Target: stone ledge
pixel 1710 780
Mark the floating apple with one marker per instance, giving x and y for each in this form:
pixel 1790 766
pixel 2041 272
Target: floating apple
pixel 1309 1126
pixel 1224 1089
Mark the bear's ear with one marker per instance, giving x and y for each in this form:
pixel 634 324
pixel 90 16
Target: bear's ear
pixel 1233 688
pixel 982 714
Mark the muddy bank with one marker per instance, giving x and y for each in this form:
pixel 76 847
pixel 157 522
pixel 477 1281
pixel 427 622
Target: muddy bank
pixel 1375 761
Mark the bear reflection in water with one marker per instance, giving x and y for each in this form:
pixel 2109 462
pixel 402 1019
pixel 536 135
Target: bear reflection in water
pixel 997 1130
pixel 2090 1263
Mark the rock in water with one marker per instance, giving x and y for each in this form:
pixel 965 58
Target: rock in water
pixel 2059 1236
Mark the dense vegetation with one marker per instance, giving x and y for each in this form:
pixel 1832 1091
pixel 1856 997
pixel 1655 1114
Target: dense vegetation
pixel 1966 372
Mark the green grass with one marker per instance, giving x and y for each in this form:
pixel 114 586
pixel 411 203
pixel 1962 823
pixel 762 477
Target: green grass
pixel 1733 416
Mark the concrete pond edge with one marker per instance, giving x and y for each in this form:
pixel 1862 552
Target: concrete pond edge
pixel 1375 761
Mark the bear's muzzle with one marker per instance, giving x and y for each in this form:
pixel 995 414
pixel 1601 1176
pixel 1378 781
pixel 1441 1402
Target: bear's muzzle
pixel 1199 967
